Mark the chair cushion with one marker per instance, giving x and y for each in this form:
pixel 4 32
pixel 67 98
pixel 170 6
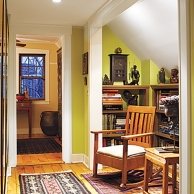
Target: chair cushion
pixel 117 150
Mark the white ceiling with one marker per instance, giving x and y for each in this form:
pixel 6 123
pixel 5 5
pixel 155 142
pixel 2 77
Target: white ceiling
pixel 68 12
pixel 149 27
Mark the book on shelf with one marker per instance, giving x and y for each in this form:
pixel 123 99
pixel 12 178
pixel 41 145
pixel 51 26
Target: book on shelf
pixel 111 95
pixel 109 91
pixel 166 149
pixel 112 106
pixel 118 101
pixel 163 94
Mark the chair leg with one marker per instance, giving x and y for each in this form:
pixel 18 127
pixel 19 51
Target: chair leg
pixel 95 168
pixel 124 179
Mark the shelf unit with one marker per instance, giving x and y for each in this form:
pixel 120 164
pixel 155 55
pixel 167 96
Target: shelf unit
pixel 143 99
pixel 158 91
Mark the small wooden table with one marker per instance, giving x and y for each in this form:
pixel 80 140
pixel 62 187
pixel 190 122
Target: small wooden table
pixel 163 160
pixel 26 105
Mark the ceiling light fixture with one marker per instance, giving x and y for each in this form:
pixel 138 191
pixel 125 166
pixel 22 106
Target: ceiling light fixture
pixel 56 1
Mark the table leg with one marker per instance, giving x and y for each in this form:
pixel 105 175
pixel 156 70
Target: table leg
pixel 30 122
pixel 174 173
pixel 165 179
pixel 147 174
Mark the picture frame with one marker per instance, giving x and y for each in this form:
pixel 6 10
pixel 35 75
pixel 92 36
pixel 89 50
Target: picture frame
pixel 85 63
pixel 118 67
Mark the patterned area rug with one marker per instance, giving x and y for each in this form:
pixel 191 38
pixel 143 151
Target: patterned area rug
pixel 108 183
pixel 38 146
pixel 51 183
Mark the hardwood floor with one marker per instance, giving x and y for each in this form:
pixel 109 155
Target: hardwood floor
pixel 44 163
pixel 34 159
pixel 78 169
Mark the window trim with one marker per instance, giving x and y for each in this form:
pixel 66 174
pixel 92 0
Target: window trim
pixel 34 51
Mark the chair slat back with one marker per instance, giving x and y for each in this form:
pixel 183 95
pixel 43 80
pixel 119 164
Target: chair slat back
pixel 140 119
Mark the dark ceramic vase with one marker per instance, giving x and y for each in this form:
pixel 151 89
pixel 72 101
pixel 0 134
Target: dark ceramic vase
pixel 49 122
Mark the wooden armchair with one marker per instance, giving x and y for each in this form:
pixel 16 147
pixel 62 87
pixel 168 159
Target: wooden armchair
pixel 131 155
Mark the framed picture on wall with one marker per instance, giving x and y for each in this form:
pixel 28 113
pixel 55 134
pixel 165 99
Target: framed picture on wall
pixel 85 64
pixel 118 67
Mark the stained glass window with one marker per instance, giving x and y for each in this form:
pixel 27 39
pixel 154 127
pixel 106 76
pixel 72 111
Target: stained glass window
pixel 32 75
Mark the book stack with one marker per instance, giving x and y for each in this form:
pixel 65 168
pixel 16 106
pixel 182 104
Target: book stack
pixel 120 122
pixel 164 94
pixel 112 100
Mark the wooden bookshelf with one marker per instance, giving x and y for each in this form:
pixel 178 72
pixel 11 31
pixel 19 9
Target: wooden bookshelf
pixel 142 91
pixel 158 91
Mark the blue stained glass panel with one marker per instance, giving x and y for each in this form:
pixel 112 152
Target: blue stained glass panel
pixel 35 87
pixel 32 72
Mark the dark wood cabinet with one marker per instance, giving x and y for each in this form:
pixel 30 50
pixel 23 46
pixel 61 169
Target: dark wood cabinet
pixel 118 67
pixel 59 63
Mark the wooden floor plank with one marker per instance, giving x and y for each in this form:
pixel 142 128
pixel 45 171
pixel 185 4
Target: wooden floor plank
pixel 43 163
pixel 13 181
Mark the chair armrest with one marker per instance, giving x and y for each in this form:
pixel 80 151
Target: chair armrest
pixel 127 137
pixel 109 131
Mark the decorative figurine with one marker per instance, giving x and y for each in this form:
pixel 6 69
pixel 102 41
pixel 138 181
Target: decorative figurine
pixel 135 76
pixel 129 98
pixel 174 76
pixel 118 50
pixel 162 76
pixel 106 80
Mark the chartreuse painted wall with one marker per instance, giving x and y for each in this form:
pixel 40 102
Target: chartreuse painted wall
pixel 148 69
pixel 109 43
pixel 149 73
pixel 79 131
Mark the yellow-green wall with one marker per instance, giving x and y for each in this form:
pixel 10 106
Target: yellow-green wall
pixel 109 43
pixel 79 130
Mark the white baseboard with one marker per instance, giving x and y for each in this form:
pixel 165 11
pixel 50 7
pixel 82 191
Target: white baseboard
pixel 77 158
pixel 86 161
pixel 8 171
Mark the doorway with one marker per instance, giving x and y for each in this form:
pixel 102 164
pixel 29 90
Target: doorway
pixel 37 121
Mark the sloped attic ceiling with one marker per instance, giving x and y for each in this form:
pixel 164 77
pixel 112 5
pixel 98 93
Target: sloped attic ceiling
pixel 150 29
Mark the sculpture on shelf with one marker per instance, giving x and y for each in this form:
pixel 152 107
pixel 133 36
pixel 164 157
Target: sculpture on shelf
pixel 118 50
pixel 135 76
pixel 129 98
pixel 162 76
pixel 106 80
pixel 171 110
pixel 174 76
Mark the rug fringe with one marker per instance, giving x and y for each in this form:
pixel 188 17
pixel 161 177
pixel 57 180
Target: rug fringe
pixel 47 172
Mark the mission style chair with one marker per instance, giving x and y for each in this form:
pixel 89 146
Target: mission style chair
pixel 138 134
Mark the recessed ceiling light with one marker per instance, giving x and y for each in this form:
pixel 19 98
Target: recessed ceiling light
pixel 56 1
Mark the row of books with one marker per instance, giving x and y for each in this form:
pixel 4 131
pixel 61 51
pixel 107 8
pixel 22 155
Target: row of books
pixel 112 100
pixel 111 141
pixel 113 121
pixel 163 142
pixel 163 94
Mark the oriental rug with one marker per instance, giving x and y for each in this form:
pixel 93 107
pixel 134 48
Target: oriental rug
pixel 38 146
pixel 108 183
pixel 51 183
